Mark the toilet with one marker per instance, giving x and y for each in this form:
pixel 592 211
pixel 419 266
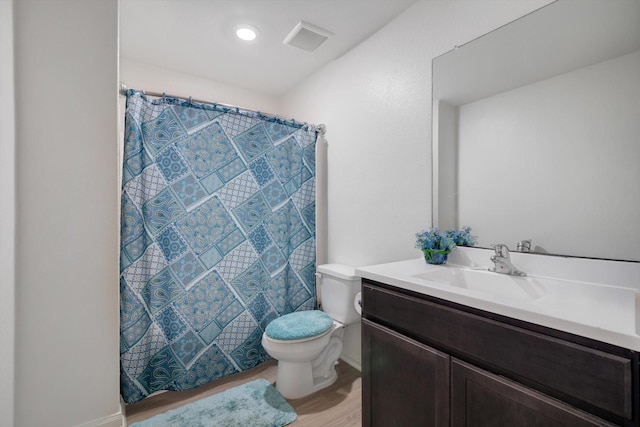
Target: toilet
pixel 307 344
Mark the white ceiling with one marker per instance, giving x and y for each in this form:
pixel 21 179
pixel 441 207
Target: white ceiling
pixel 196 36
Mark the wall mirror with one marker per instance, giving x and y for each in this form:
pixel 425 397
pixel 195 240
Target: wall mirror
pixel 536 132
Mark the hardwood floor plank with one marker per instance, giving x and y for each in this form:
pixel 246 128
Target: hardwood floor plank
pixel 339 405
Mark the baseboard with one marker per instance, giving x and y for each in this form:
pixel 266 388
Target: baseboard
pixel 351 361
pixel 115 420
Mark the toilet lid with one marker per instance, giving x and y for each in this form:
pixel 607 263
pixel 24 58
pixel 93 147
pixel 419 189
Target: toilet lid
pixel 299 325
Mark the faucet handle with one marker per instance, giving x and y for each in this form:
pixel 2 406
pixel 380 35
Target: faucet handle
pixel 501 250
pixel 524 246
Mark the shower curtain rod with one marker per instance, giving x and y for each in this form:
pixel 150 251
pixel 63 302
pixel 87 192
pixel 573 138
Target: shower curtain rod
pixel 321 129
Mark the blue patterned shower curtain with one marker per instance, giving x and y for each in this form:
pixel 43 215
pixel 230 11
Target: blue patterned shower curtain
pixel 217 239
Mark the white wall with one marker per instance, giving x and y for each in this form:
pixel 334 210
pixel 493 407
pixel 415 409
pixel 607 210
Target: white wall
pixel 572 141
pixel 67 367
pixel 7 215
pixel 141 76
pixel 376 102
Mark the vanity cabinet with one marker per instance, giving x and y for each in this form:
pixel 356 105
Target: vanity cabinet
pixel 395 396
pixel 432 362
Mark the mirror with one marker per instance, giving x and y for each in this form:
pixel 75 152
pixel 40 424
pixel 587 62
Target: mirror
pixel 536 132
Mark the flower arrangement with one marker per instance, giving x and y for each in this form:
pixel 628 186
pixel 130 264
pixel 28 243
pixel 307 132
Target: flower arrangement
pixel 434 245
pixel 437 246
pixel 462 237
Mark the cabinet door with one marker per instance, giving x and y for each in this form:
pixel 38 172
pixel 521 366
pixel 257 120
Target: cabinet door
pixel 482 399
pixel 405 383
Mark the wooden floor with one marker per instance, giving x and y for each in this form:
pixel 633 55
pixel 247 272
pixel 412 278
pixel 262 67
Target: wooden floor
pixel 339 405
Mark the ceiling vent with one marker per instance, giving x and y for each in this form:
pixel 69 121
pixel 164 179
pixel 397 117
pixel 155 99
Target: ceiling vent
pixel 307 36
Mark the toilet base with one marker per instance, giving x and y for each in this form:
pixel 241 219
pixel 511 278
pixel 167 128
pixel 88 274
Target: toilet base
pixel 294 380
pixel 299 379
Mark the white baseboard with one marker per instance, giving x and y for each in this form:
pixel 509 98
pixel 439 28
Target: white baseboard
pixel 115 420
pixel 352 361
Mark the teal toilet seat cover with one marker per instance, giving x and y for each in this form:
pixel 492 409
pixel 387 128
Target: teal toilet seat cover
pixel 299 325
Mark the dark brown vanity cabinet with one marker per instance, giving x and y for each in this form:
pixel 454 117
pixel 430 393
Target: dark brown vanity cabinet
pixel 407 383
pixel 430 362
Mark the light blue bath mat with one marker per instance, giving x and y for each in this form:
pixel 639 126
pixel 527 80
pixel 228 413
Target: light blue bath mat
pixel 254 404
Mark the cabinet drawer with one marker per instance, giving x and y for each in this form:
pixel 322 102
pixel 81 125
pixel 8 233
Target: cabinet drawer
pixel 584 377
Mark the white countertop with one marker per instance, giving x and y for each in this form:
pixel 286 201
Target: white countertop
pixel 599 311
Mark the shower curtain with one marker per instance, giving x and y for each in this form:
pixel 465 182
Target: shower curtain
pixel 217 239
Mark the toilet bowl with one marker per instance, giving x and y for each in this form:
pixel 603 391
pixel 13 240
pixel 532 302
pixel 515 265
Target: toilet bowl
pixel 307 344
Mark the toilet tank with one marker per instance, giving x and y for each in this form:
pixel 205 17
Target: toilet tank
pixel 337 287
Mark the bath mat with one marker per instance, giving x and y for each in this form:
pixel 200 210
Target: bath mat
pixel 254 404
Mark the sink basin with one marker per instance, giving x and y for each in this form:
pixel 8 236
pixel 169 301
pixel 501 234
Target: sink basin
pixel 604 310
pixel 607 307
pixel 493 285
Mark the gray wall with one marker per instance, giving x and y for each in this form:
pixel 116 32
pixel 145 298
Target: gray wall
pixel 67 213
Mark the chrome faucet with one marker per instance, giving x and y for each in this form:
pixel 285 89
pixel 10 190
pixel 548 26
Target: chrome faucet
pixel 502 261
pixel 524 246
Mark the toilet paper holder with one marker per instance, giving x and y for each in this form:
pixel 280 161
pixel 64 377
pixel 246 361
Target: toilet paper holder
pixel 357 302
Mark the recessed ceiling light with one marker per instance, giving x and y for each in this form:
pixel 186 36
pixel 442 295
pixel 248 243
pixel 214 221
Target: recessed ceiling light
pixel 246 32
